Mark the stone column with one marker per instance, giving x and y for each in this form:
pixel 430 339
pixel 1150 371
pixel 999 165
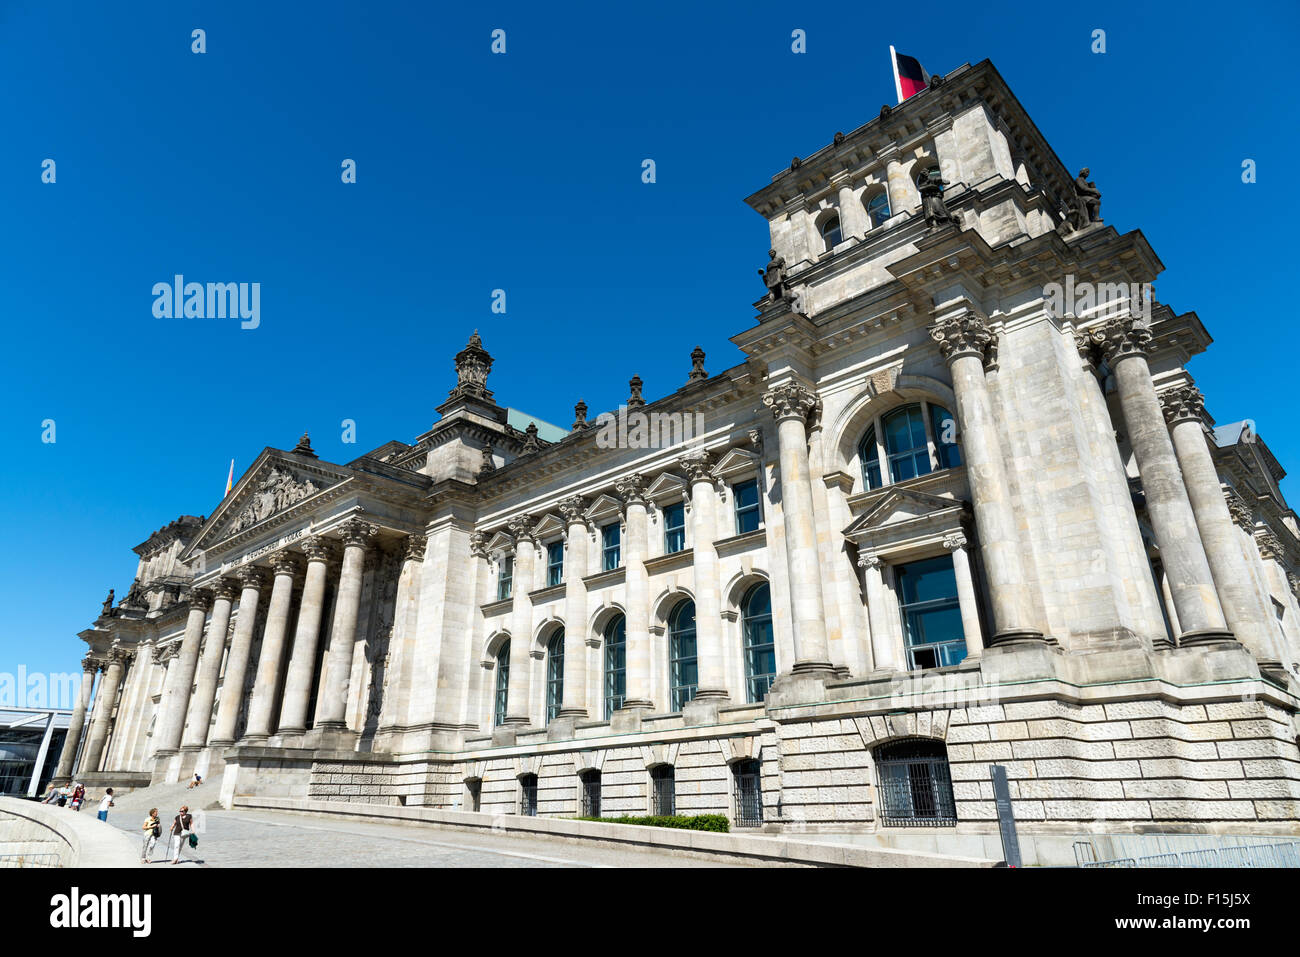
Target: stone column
pixel 252 579
pixel 853 216
pixel 357 536
pixel 636 548
pixel 790 405
pixel 1124 343
pixel 970 616
pixel 521 622
pixel 103 718
pixel 574 702
pixel 1245 616
pixel 885 653
pixel 199 716
pixel 89 667
pixel 267 681
pixel 708 593
pixel 964 340
pixel 302 661
pixel 175 700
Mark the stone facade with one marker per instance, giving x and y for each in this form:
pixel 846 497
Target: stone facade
pixel 486 619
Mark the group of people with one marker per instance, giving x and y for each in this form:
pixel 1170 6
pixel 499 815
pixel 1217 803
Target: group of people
pixel 181 834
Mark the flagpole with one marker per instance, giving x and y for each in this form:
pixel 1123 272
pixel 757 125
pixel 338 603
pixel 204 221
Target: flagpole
pixel 893 60
pixel 230 478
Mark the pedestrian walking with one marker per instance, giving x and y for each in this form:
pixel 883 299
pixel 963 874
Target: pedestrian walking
pixel 105 804
pixel 152 831
pixel 181 832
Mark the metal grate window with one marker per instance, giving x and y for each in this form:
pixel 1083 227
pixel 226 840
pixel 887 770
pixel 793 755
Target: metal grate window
pixel 503 685
pixel 554 675
pixel 915 785
pixel 528 795
pixel 663 790
pixel 590 783
pixel 749 794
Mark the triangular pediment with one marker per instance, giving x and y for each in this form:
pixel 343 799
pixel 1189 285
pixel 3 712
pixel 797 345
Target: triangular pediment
pixel 604 510
pixel 737 463
pixel 666 489
pixel 500 542
pixel 276 483
pixel 900 505
pixel 549 526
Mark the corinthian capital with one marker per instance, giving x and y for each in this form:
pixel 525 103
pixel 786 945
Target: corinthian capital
pixel 357 532
pixel 415 546
pixel 478 545
pixel 1269 546
pixel 89 665
pixel 572 508
pixel 316 549
pixel 967 334
pixel 521 529
pixel 632 489
pixel 200 598
pixel 284 563
pixel 1123 337
pixel 226 588
pixel 790 401
pixel 251 576
pixel 697 468
pixel 1243 516
pixel 1183 404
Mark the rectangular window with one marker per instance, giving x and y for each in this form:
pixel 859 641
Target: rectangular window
pixel 590 793
pixel 674 528
pixel 611 538
pixel 747 512
pixel 528 795
pixel 927 596
pixel 663 787
pixel 473 794
pixel 749 794
pixel 505 577
pixel 554 563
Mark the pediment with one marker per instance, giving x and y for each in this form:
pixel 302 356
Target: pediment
pixel 604 509
pixel 549 526
pixel 500 542
pixel 899 505
pixel 737 463
pixel 273 485
pixel 666 489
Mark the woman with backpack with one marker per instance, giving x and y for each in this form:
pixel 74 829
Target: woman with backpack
pixel 181 826
pixel 152 831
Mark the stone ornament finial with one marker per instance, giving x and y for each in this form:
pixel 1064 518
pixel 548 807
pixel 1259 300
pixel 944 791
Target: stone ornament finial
pixel 775 279
pixel 414 548
pixel 107 608
pixel 1183 404
pixel 632 489
pixel 573 509
pixel 697 365
pixel 473 363
pixel 790 401
pixel 1243 516
pixel 1087 200
pixel 963 335
pixel 487 467
pixel 357 532
pixel 1123 337
pixel 304 447
pixel 635 401
pixel 531 442
pixel 579 416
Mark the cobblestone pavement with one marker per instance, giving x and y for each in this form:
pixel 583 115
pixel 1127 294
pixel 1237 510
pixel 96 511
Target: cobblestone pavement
pixel 282 839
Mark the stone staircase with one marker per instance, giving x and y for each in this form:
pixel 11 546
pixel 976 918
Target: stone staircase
pixel 167 798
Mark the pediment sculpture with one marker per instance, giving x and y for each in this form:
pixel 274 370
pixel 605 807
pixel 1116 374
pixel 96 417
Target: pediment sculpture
pixel 277 491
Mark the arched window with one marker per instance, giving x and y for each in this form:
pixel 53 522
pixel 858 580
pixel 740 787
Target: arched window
pixel 683 666
pixel 878 208
pixel 908 441
pixel 554 675
pixel 831 232
pixel 615 665
pixel 760 647
pixel 915 784
pixel 503 684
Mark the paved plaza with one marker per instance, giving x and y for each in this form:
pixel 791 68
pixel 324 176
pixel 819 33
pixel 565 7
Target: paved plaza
pixel 280 839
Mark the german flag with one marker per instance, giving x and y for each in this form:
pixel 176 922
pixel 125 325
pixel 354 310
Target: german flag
pixel 910 77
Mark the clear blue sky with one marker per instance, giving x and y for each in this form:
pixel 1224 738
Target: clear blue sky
pixel 519 172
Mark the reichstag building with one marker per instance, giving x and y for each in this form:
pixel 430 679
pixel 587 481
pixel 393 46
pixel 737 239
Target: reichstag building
pixel 941 517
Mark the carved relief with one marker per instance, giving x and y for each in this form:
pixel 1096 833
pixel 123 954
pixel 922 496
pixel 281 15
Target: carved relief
pixel 277 492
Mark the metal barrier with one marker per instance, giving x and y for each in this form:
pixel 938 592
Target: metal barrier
pixel 29 860
pixel 1238 855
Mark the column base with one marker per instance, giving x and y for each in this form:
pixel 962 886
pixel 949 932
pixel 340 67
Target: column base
pixel 1276 672
pixel 1017 636
pixel 252 740
pixel 515 721
pixel 813 668
pixel 1206 636
pixel 576 713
